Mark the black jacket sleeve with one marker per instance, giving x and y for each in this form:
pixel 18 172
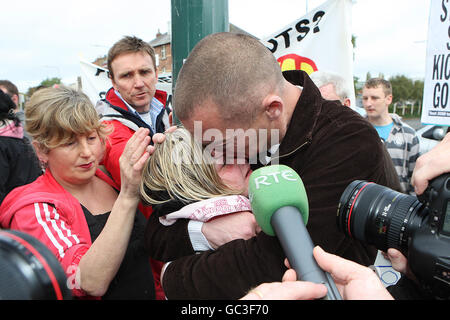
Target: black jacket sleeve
pixel 167 243
pixel 226 273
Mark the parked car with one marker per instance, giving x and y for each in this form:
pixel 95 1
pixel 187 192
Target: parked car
pixel 429 136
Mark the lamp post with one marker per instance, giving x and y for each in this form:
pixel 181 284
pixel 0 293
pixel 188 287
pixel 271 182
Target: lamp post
pixel 192 20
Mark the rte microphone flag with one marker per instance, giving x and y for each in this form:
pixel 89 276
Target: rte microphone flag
pixel 320 40
pixel 273 187
pixel 280 205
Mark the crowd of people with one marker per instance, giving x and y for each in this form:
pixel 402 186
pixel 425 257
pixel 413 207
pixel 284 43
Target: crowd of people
pixel 135 206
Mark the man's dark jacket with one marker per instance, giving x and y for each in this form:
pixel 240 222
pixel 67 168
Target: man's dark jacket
pixel 329 146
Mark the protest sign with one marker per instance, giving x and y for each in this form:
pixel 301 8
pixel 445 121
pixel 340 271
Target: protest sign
pixel 436 104
pixel 320 40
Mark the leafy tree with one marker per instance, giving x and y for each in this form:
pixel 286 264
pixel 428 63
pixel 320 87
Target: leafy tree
pixel 44 84
pixel 402 88
pixel 418 91
pixel 405 89
pixel 50 82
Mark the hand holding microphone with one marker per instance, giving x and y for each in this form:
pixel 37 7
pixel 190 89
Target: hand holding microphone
pixel 280 206
pixel 355 282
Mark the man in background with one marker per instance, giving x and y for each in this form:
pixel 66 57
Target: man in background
pixel 11 90
pixel 334 87
pixel 400 139
pixel 331 86
pixel 133 101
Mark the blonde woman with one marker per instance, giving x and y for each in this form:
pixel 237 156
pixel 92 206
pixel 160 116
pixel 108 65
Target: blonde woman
pixel 182 182
pixel 75 209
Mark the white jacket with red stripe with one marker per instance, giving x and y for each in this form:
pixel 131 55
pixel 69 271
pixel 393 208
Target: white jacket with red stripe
pixel 45 210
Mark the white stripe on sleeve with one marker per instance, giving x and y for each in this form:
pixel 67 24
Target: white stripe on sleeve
pixel 63 226
pixel 48 231
pixel 55 226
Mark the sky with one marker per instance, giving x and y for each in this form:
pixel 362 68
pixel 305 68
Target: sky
pixel 46 38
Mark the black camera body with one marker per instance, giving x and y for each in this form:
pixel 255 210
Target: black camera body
pixel 430 244
pixel 29 270
pixel 418 226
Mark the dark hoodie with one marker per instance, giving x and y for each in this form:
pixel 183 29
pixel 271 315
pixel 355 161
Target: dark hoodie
pixel 18 162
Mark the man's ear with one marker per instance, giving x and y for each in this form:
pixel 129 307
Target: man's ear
pixel 389 99
pixel 347 102
pixel 171 118
pixel 273 106
pixel 111 77
pixel 113 82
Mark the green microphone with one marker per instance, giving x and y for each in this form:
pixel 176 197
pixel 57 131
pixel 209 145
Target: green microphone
pixel 273 187
pixel 280 205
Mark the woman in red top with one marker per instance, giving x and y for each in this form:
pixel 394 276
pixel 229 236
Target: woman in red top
pixel 94 230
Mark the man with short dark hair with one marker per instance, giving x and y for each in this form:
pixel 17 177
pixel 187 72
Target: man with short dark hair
pixel 231 85
pixel 400 139
pixel 133 101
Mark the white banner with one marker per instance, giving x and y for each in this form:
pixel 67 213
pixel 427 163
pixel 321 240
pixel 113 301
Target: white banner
pixel 436 104
pixel 321 40
pixel 94 81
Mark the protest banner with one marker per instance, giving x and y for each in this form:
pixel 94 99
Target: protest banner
pixel 320 40
pixel 436 104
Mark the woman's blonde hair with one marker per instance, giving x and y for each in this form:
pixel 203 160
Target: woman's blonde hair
pixel 55 115
pixel 180 170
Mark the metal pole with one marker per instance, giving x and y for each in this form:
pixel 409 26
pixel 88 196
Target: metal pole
pixel 192 20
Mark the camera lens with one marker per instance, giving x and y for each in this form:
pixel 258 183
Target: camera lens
pixel 28 270
pixel 379 215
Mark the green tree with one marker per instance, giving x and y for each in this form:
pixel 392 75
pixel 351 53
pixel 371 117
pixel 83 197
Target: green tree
pixel 50 82
pixel 402 88
pixel 406 91
pixel 418 91
pixel 44 84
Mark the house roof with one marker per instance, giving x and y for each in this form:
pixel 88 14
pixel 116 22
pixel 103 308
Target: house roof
pixel 161 39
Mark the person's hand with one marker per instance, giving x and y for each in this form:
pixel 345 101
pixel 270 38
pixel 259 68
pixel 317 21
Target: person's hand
pixel 159 138
pixel 132 162
pixel 354 281
pixel 288 289
pixel 431 164
pixel 399 263
pixel 239 225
